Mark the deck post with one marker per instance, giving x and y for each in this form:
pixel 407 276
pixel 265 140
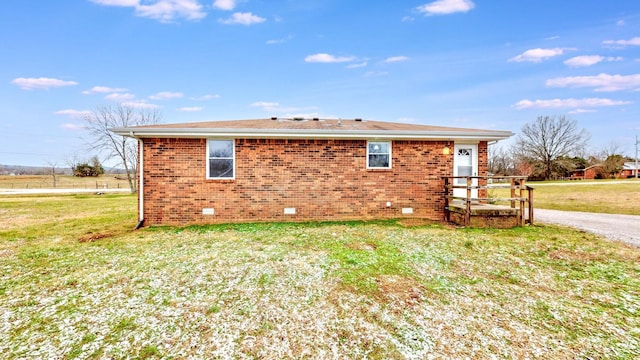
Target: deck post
pixel 447 212
pixel 530 189
pixel 513 192
pixel 522 200
pixel 467 215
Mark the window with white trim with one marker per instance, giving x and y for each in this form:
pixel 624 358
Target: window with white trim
pixel 379 154
pixel 221 159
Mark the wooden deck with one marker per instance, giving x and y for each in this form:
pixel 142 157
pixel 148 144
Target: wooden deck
pixel 480 212
pixel 484 215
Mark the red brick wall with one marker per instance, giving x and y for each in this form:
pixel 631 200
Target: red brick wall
pixel 483 167
pixel 321 179
pixel 590 173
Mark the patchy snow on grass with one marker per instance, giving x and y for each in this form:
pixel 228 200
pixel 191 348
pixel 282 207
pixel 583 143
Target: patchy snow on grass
pixel 331 291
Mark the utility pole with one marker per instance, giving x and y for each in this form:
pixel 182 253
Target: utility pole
pixel 637 156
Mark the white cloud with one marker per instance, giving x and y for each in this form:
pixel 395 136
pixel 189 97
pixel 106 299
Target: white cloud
pixel 326 58
pixel 358 65
pixel 582 111
pixel 167 10
pixel 74 127
pixel 588 60
pixel 120 97
pixel 622 43
pixel 142 104
pixel 41 83
pixel 166 95
pixel 162 10
pixel 396 59
pixel 443 7
pixel 191 108
pixel 225 4
pixel 537 55
pixel 568 103
pixel 206 97
pixel 243 19
pixel 584 60
pixel 279 41
pixel 103 90
pixel 265 104
pixel 76 114
pixel 407 19
pixel 601 82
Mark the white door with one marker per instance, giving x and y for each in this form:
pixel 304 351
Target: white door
pixel 465 163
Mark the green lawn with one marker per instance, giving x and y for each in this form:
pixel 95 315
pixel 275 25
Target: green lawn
pixel 612 197
pixel 77 282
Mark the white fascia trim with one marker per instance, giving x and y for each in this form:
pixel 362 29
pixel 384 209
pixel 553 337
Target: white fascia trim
pixel 318 134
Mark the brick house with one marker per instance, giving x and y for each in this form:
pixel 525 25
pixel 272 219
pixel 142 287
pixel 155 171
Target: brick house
pixel 300 169
pixel 588 173
pixel 596 172
pixel 629 170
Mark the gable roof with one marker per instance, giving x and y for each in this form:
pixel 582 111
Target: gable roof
pixel 315 128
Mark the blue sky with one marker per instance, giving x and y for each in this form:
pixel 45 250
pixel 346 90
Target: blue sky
pixel 468 63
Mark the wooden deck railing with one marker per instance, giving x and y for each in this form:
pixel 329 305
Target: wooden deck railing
pixel 520 193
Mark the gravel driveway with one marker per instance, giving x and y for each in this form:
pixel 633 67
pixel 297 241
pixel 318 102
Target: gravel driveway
pixel 624 228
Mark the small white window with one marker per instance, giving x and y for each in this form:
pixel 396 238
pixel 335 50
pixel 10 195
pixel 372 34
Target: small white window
pixel 220 159
pixel 379 155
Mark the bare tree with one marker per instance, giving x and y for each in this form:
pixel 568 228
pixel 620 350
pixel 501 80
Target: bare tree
pixel 104 118
pixel 501 161
pixel 52 166
pixel 612 148
pixel 549 138
pixel 72 161
pixel 611 160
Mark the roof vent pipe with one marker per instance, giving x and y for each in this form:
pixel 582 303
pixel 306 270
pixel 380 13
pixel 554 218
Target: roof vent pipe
pixel 339 122
pixel 358 119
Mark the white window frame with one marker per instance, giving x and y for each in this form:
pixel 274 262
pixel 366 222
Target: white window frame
pixel 390 143
pixel 233 158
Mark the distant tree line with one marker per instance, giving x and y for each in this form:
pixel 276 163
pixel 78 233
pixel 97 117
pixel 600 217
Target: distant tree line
pixel 553 147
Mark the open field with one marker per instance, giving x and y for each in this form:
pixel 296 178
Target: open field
pixel 63 181
pixel 601 196
pixel 76 282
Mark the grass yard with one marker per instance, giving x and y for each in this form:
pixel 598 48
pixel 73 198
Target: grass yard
pixel 602 196
pixel 77 283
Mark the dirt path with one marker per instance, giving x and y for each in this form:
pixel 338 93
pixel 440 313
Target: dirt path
pixel 625 228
